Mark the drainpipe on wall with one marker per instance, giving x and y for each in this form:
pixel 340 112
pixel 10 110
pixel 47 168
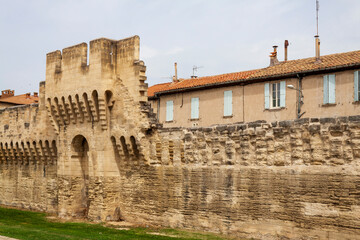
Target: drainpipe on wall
pixel 158 111
pixel 243 107
pixel 301 96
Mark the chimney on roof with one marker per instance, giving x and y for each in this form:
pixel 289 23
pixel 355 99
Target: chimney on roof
pixel 175 78
pixel 7 93
pixel 27 95
pixel 317 48
pixel 36 94
pixel 273 57
pixel 286 44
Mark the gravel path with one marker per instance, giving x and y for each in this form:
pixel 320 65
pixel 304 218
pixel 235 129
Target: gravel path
pixel 6 238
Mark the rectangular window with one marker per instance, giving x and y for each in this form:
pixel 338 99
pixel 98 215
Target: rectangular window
pixel 194 108
pixel 169 111
pixel 329 89
pixel 275 95
pixel 356 85
pixel 227 103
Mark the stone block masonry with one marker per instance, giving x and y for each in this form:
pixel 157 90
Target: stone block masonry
pixel 261 178
pixel 92 149
pixel 28 159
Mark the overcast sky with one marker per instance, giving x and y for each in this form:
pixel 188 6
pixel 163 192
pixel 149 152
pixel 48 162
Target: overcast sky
pixel 222 36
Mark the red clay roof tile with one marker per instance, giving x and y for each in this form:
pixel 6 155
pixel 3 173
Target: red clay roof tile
pixel 201 81
pixel 310 64
pixel 283 68
pixel 157 88
pixel 20 99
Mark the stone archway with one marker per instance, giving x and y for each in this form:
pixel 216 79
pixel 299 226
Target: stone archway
pixel 80 150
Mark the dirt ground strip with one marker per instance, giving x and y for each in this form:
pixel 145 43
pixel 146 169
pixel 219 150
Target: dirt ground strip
pixel 6 238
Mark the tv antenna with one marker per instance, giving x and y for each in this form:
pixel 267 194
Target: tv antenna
pixel 195 68
pixel 317 17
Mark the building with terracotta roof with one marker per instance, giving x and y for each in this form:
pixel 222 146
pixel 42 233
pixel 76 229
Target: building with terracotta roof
pixel 8 99
pixel 320 86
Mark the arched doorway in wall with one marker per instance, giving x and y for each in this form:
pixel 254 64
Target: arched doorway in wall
pixel 80 169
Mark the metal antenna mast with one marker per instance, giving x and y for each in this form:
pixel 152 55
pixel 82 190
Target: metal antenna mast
pixel 195 68
pixel 317 17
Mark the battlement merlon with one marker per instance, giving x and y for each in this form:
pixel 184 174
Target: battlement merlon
pixel 109 60
pixel 102 51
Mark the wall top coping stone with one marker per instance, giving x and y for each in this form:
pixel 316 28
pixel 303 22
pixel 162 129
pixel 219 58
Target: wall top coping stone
pixel 264 124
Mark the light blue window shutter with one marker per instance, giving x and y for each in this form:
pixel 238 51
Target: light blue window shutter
pixel 282 93
pixel 194 108
pixel 326 89
pixel 356 86
pixel 332 88
pixel 267 96
pixel 228 103
pixel 169 110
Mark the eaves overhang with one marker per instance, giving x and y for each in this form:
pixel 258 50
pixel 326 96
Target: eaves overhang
pixel 250 80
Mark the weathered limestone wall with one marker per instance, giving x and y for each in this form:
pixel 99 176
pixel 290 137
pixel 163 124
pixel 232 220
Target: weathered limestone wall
pixel 5 105
pixel 94 107
pixel 29 186
pixel 28 159
pixel 291 178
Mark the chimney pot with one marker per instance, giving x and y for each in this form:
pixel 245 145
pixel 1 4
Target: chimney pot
pixel 27 95
pixel 286 44
pixel 7 93
pixel 317 48
pixel 273 57
pixel 36 94
pixel 176 76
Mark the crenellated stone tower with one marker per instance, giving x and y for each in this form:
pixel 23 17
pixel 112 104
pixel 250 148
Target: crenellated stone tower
pixel 95 103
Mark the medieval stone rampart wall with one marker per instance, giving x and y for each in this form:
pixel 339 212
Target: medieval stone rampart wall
pixel 291 178
pixel 28 159
pixel 257 179
pixel 315 141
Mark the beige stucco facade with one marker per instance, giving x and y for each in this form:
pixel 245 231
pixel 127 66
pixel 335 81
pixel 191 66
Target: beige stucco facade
pixel 211 107
pixel 248 102
pixel 345 105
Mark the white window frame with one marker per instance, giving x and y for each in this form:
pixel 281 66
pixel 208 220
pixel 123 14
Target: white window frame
pixel 329 89
pixel 228 102
pixel 275 88
pixel 356 86
pixel 195 108
pixel 279 88
pixel 169 111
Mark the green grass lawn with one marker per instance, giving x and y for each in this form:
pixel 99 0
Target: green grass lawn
pixel 33 225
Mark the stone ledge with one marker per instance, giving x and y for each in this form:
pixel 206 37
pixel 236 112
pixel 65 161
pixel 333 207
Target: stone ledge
pixel 264 124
